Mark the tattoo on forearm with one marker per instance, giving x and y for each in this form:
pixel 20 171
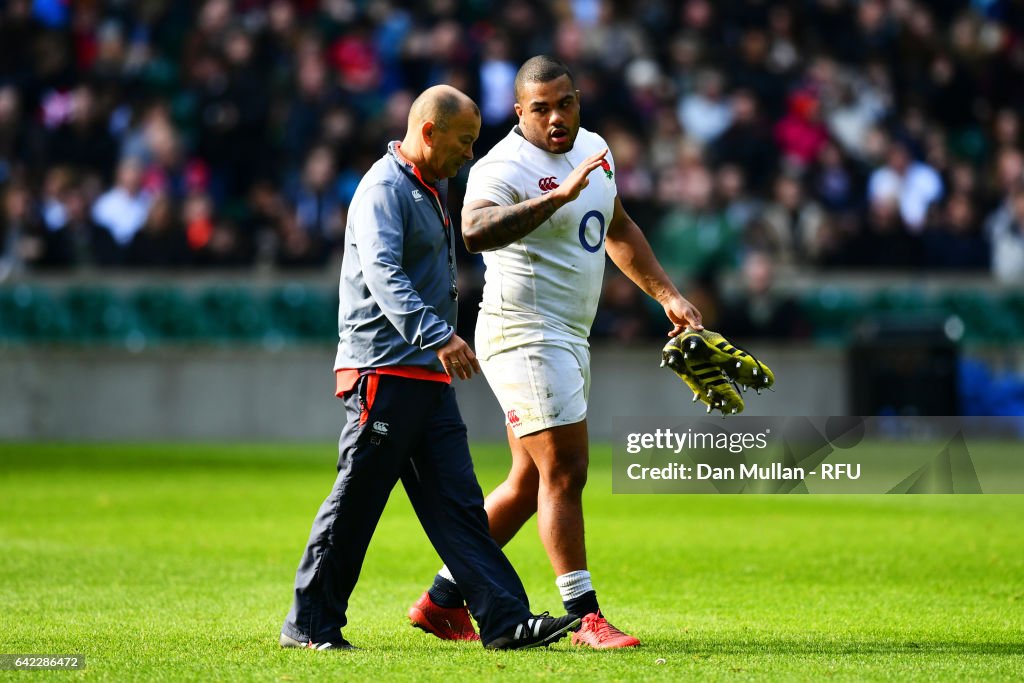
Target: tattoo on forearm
pixel 491 227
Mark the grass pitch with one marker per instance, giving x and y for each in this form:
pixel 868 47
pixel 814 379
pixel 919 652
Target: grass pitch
pixel 171 562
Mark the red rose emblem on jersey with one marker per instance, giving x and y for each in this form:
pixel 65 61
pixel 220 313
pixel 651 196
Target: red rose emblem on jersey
pixel 607 168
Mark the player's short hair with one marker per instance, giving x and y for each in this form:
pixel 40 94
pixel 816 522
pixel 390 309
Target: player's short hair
pixel 541 69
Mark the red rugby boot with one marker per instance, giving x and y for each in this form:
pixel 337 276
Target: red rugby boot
pixel 447 623
pixel 596 632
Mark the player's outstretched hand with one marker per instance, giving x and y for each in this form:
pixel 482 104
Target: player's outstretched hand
pixel 577 180
pixel 458 359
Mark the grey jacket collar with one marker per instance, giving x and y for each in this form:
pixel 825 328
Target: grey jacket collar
pixel 439 188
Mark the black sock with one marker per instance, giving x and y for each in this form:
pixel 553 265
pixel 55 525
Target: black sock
pixel 444 593
pixel 583 605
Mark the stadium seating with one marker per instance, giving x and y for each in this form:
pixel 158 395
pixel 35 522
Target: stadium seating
pixel 96 315
pixel 833 312
pixel 32 314
pixel 166 314
pixel 231 313
pixel 288 313
pixel 303 313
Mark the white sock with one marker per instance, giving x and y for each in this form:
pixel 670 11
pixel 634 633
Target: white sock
pixel 574 584
pixel 445 574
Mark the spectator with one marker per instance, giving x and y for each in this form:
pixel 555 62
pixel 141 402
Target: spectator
pixel 78 241
pixel 859 108
pixel 228 247
pixel 318 211
pixel 198 216
pixel 695 235
pixel 793 223
pixel 1008 172
pixel 122 209
pixel 19 33
pixel 836 182
pixel 740 206
pixel 752 70
pixel 354 57
pixel 1006 129
pixel 232 114
pixel 298 248
pixel 874 34
pixel 747 143
pixel 80 137
pixel 280 39
pixel 633 179
pixel 20 243
pixel 161 242
pixel 622 315
pixel 914 185
pixel 759 310
pixel 784 51
pixel 157 143
pixel 950 93
pixel 801 135
pixel 67 233
pixel 884 241
pixel 207 35
pixel 265 212
pixel 666 139
pixel 313 98
pixel 11 144
pixel 1006 234
pixel 213 240
pixel 685 56
pixel 58 182
pixel 645 87
pixel 705 114
pixel 497 73
pixel 953 241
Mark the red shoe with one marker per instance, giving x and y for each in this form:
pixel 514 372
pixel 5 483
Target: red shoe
pixel 596 632
pixel 447 623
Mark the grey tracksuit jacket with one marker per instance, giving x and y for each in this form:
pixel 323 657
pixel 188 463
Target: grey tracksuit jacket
pixel 398 296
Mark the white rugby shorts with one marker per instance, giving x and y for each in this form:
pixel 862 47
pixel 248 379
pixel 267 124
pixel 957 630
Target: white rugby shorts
pixel 540 385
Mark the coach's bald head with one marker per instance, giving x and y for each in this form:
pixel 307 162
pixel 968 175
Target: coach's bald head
pixel 443 125
pixel 440 104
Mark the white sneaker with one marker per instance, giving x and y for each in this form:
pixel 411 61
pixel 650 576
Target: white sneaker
pixel 288 641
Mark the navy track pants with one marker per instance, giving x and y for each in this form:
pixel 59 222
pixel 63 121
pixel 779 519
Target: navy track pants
pixel 409 430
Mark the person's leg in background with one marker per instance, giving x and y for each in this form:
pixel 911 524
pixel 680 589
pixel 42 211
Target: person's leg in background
pixel 447 498
pixel 548 475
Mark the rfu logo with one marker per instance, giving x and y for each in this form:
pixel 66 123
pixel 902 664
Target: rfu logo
pixel 547 184
pixel 513 419
pixel 380 428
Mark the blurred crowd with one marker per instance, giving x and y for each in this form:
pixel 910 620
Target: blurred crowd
pixel 748 134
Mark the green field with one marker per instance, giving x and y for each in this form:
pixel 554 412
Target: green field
pixel 176 562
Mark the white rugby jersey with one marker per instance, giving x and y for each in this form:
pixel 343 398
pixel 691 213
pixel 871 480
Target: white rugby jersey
pixel 544 287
